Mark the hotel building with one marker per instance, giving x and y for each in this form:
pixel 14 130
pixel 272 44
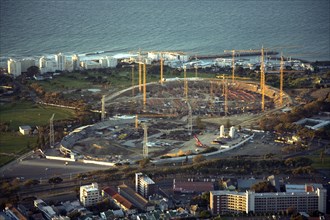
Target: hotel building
pixel 222 202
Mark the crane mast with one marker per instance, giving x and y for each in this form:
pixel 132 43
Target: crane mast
pixel 145 141
pixel 133 90
pixel 281 80
pixel 161 69
pixel 185 83
pixel 144 86
pixel 262 79
pixel 140 72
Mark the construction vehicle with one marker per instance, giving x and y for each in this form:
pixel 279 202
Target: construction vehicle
pixel 199 143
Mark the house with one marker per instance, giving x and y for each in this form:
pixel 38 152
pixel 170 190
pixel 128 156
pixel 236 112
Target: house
pixel 112 214
pixel 24 129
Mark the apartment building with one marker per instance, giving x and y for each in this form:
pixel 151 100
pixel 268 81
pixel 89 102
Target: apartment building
pixel 222 202
pixel 14 67
pixel 144 185
pixel 90 195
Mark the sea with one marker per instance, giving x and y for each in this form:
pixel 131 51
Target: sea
pixel 32 28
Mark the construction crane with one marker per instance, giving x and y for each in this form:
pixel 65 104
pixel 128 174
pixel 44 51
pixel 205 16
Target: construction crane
pixel 161 69
pixel 281 80
pixel 145 141
pixel 51 131
pixel 233 58
pixel 103 108
pixel 140 72
pixel 185 83
pixel 262 79
pixel 133 90
pixel 144 86
pixel 226 96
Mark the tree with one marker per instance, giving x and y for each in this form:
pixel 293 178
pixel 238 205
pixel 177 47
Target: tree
pixel 205 214
pixel 32 70
pixel 55 180
pixel 143 163
pixel 198 158
pixel 263 187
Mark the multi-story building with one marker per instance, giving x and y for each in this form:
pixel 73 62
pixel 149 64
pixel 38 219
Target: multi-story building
pixel 75 62
pixel 14 67
pixel 222 202
pixel 60 61
pixel 144 185
pixel 47 65
pixel 90 195
pixel 112 62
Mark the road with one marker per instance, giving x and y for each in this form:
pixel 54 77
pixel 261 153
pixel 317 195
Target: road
pixel 43 168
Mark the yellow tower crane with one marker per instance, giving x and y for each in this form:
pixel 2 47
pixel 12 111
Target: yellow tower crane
pixel 161 69
pixel 144 86
pixel 226 96
pixel 140 72
pixel 262 79
pixel 233 58
pixel 281 80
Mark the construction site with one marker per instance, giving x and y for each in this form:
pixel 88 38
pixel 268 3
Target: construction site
pixel 173 117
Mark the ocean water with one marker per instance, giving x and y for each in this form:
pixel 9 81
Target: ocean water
pixel 300 28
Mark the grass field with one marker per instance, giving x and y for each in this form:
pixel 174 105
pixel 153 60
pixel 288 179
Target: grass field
pixel 318 163
pixel 16 114
pixel 28 113
pixel 12 144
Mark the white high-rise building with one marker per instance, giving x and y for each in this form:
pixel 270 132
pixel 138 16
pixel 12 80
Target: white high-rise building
pixel 90 195
pixel 60 61
pixel 232 132
pixel 14 67
pixel 47 65
pixel 103 62
pixel 112 62
pixel 75 62
pixel 222 131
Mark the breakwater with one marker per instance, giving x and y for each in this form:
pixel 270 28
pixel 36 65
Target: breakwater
pixel 224 55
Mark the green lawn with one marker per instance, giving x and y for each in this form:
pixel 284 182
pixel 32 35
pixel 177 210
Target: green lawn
pixel 12 144
pixel 24 113
pixel 15 143
pixel 65 81
pixel 27 113
pixel 318 163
